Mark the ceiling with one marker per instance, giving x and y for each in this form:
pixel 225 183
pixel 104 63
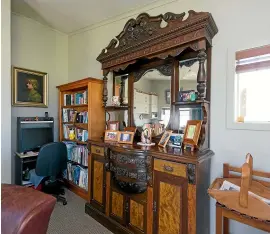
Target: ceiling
pixel 71 15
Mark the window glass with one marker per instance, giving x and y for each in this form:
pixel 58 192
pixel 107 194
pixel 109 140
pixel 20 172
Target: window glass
pixel 252 79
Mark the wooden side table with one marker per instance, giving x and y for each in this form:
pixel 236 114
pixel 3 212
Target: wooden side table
pixel 223 214
pixel 240 205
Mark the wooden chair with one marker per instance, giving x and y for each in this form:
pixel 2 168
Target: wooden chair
pixel 241 206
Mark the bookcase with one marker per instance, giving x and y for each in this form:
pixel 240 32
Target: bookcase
pixel 81 111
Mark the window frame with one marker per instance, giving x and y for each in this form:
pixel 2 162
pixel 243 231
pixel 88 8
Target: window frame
pixel 232 97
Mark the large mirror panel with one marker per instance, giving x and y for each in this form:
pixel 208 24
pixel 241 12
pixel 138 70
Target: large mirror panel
pixel 188 72
pixel 152 101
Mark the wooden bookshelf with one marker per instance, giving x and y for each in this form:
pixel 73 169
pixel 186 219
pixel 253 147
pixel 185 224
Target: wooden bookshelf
pixel 96 118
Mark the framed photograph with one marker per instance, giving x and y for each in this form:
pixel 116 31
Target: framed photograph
pixel 29 88
pixel 168 96
pixel 111 135
pixel 192 133
pixel 165 138
pixel 113 125
pixel 126 137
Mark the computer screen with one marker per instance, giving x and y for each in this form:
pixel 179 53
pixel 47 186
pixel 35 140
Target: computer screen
pixel 33 134
pixel 35 137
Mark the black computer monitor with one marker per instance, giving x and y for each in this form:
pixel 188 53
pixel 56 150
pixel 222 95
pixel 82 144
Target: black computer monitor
pixel 34 134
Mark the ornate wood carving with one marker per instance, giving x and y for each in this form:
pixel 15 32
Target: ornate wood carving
pixel 164 69
pixel 191 171
pixel 201 78
pixel 188 63
pixel 144 37
pixel 105 89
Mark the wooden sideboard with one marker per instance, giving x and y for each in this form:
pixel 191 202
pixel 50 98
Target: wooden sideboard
pixel 173 201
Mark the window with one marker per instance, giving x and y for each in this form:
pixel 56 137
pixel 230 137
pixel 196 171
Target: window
pixel 165 115
pixel 252 86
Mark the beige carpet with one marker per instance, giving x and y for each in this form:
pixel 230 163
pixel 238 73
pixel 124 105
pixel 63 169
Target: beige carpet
pixel 72 218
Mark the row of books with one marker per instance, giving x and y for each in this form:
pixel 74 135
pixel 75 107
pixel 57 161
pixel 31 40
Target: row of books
pixel 77 174
pixel 80 134
pixel 70 115
pixel 77 153
pixel 76 98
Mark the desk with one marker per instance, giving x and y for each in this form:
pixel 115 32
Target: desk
pixel 22 162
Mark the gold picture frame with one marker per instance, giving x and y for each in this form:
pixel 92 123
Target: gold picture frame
pixel 192 133
pixel 126 137
pixel 29 88
pixel 165 138
pixel 111 135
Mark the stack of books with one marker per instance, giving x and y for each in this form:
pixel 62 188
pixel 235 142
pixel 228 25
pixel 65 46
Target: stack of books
pixel 76 98
pixel 70 115
pixel 77 174
pixel 77 153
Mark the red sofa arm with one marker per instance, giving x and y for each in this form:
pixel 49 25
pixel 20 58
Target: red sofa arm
pixel 25 210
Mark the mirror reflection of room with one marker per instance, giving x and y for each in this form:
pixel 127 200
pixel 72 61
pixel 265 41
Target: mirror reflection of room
pixel 121 89
pixel 152 101
pixel 188 71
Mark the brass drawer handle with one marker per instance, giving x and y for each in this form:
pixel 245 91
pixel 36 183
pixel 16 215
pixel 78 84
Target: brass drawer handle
pixel 168 168
pixel 97 151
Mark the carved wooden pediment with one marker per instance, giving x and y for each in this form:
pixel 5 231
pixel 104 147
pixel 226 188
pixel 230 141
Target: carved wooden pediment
pixel 146 37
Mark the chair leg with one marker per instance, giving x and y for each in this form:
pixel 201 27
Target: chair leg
pixel 225 225
pixel 218 220
pixel 62 199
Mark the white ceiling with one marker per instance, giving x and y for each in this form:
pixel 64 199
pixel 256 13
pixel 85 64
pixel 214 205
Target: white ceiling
pixel 71 15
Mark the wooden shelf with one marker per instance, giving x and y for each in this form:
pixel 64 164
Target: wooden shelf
pixel 77 163
pixel 77 189
pixel 79 125
pixel 197 102
pixel 79 142
pixel 116 108
pixel 74 106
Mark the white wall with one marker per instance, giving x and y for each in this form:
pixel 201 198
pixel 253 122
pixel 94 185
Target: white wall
pixel 241 24
pixel 38 47
pixel 5 93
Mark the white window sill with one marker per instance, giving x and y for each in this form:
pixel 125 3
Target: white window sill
pixel 249 126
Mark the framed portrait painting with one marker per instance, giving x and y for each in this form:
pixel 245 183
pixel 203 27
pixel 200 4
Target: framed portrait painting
pixel 29 88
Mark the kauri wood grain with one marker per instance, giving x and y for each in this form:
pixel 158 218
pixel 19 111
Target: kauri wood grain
pixel 191 209
pixel 177 169
pixel 149 210
pixel 136 214
pixel 117 204
pixel 97 150
pixel 169 209
pixel 108 187
pixel 98 181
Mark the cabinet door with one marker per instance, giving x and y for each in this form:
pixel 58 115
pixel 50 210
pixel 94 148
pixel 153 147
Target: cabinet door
pixel 137 216
pixel 118 206
pixel 170 204
pixel 98 185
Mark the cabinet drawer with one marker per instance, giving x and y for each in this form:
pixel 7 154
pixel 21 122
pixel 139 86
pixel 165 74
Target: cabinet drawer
pixel 173 168
pixel 97 150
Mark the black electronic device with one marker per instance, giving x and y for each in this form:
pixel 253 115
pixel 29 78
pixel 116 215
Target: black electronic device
pixel 33 133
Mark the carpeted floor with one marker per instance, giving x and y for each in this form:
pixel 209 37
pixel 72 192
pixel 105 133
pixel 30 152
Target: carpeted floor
pixel 72 218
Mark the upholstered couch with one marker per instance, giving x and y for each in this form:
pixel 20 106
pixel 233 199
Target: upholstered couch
pixel 25 210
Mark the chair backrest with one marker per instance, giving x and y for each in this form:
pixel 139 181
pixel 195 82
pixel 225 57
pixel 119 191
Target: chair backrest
pixel 235 172
pixel 52 159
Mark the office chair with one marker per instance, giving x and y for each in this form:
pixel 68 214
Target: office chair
pixel 51 161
